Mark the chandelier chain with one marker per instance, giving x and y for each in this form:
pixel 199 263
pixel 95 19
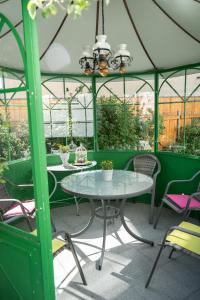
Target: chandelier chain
pixel 97 21
pixel 102 7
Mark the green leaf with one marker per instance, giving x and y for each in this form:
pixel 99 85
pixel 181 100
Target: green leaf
pixel 46 12
pixel 53 9
pixel 31 6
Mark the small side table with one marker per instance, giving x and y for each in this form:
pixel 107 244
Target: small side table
pixel 70 169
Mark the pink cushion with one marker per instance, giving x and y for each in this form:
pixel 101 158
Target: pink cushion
pixel 181 200
pixel 16 210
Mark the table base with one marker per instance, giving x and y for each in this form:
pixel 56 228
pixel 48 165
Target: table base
pixel 118 212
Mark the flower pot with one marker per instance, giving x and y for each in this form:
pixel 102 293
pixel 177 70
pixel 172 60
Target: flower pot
pixel 107 175
pixel 55 151
pixel 64 157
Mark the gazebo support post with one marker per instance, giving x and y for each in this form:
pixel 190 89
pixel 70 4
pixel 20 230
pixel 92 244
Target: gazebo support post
pixel 36 127
pixel 156 113
pixel 94 96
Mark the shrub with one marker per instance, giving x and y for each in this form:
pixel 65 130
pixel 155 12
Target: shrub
pixel 14 141
pixel 191 137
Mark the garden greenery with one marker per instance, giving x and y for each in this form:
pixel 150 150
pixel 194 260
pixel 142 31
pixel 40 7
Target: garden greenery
pixel 190 139
pixel 123 126
pixel 50 7
pixel 14 140
pixel 3 167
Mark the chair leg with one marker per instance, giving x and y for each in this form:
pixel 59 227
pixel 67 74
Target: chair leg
pixel 186 214
pixel 29 224
pixel 77 206
pixel 76 259
pixel 171 252
pixel 154 266
pixel 151 212
pixel 53 225
pixel 158 215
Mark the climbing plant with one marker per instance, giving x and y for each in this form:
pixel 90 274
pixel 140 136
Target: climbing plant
pixel 50 7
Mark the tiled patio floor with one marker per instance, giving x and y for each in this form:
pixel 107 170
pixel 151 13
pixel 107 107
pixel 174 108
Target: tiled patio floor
pixel 127 262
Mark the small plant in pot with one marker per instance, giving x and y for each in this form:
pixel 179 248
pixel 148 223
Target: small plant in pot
pixel 107 169
pixel 55 149
pixel 64 154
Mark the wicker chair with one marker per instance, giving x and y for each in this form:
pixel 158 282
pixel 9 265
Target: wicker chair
pixel 149 165
pixel 181 203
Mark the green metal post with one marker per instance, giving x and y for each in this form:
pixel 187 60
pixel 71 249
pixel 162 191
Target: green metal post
pixel 185 104
pixel 34 95
pixel 156 118
pixel 94 96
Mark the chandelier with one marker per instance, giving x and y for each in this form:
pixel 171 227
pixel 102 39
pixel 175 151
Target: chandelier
pixel 100 58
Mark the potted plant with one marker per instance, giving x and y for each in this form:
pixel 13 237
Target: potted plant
pixel 107 169
pixel 64 154
pixel 55 149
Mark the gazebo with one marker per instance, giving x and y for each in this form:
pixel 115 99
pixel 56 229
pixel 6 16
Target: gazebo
pixel 54 92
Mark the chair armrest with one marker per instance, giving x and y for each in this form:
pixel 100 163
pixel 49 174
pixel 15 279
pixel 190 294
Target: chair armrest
pixel 128 164
pixel 194 195
pixel 25 185
pixel 180 181
pixel 17 185
pixel 17 201
pixel 156 174
pixel 10 200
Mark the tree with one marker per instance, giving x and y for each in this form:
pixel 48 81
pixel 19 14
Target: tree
pixel 191 137
pixel 122 126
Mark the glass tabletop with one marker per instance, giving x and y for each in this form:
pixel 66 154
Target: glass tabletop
pixel 91 184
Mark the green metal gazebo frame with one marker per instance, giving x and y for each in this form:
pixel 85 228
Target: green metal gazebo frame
pixel 33 254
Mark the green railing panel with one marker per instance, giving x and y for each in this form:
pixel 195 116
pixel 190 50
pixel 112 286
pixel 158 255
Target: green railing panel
pixel 174 166
pixel 20 265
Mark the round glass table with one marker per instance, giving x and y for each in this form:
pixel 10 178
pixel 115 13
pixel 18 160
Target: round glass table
pixel 124 185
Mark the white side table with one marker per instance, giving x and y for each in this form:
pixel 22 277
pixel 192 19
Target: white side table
pixel 70 169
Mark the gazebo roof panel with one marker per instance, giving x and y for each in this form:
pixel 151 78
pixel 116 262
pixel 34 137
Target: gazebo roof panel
pixel 164 37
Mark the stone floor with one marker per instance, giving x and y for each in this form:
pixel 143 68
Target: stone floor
pixel 127 262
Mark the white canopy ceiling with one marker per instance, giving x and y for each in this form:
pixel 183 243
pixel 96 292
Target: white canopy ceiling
pixel 160 34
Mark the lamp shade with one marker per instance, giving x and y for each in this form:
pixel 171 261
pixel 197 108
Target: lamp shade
pixel 122 51
pixel 101 43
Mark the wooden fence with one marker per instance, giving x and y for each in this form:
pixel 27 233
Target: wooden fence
pixel 171 110
pixel 174 117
